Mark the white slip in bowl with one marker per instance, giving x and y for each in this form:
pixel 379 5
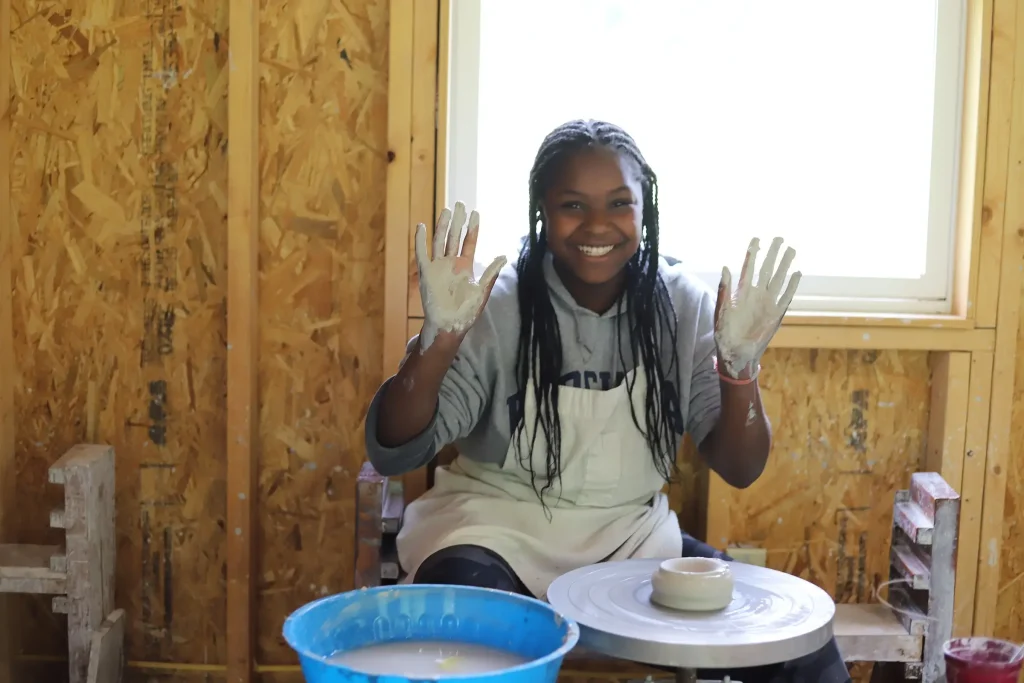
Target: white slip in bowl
pixel 692 584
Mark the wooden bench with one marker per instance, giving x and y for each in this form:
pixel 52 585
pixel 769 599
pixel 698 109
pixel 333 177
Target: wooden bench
pixel 79 574
pixel 922 553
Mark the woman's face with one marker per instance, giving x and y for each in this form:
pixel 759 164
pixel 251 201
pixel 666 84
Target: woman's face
pixel 593 208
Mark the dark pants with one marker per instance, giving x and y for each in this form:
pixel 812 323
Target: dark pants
pixel 473 565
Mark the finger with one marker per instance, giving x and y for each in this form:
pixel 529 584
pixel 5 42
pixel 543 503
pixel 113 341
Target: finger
pixel 768 267
pixel 422 257
pixel 787 297
pixel 747 272
pixel 472 232
pixel 491 273
pixel 441 231
pixel 455 231
pixel 775 286
pixel 724 295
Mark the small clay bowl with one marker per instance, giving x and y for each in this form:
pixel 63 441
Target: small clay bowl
pixel 692 584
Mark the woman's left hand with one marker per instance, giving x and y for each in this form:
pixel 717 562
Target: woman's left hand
pixel 746 321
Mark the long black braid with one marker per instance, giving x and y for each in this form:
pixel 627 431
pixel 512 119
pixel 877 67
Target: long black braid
pixel 650 313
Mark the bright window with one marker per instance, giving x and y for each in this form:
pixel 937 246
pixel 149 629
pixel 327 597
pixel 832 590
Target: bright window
pixel 834 125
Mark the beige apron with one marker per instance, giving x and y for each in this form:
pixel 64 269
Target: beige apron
pixel 609 505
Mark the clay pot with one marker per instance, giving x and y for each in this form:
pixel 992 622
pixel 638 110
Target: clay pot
pixel 692 584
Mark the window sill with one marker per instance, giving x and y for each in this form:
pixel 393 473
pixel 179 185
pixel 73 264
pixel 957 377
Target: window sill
pixel 872 320
pixel 822 332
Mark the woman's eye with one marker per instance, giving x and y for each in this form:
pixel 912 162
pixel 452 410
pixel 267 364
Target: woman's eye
pixel 572 206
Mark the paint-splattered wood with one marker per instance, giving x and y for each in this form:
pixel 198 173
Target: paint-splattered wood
pixel 380 504
pixel 928 490
pixel 944 503
pixel 393 507
pixel 912 520
pixel 923 568
pixel 369 532
pixel 911 565
pixel 106 655
pixel 87 472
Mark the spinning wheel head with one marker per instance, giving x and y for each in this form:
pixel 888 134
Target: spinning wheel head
pixel 773 617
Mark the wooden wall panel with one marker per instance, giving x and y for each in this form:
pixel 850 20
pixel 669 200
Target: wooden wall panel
pixel 323 128
pixel 117 247
pixel 849 428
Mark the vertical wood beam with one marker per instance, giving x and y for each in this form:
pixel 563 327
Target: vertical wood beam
pixel 947 420
pixel 7 377
pixel 1008 71
pixel 444 51
pixel 968 251
pixel 243 331
pixel 972 491
pixel 399 172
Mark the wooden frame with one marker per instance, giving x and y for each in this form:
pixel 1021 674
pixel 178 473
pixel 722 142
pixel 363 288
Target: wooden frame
pixel 243 336
pixel 973 351
pixel 7 367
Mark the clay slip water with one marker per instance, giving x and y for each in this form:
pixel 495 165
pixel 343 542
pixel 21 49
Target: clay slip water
pixel 427 659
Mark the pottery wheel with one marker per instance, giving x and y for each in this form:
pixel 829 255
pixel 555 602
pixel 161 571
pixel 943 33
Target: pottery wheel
pixel 774 617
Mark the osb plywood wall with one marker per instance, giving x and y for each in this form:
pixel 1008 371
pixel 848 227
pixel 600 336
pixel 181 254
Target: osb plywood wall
pixel 118 177
pixel 118 174
pixel 849 428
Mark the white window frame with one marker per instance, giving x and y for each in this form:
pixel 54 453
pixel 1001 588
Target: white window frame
pixel 931 294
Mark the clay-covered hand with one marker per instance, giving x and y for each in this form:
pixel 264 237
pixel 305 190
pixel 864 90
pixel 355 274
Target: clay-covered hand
pixel 746 321
pixel 452 298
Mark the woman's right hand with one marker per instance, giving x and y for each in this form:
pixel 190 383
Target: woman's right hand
pixel 452 299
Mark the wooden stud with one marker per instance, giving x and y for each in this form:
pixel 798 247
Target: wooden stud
pixel 7 367
pixel 974 127
pixel 444 39
pixel 997 146
pixel 399 179
pixel 972 490
pixel 947 424
pixel 242 334
pixel 421 179
pixel 1008 53
pixel 423 127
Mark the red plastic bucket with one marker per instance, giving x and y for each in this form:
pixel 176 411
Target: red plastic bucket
pixel 981 660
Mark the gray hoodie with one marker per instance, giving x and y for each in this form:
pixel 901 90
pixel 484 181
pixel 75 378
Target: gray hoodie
pixel 477 406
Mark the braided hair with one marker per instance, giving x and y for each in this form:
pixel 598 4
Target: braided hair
pixel 649 311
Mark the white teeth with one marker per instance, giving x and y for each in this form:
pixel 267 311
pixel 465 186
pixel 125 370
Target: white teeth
pixel 596 251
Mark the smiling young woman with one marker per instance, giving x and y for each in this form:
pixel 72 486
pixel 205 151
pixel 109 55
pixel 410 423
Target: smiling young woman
pixel 569 394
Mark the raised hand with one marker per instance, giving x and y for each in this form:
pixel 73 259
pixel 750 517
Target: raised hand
pixel 746 321
pixel 452 299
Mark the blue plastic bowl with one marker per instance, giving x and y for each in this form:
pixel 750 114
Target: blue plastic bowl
pixel 481 616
